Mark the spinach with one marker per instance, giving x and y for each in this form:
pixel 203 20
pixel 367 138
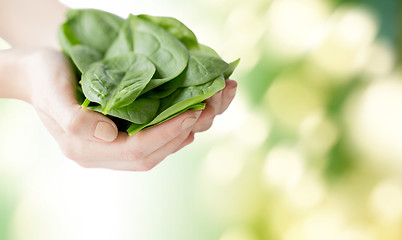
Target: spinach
pixel 201 69
pixel 181 100
pixel 117 82
pixel 142 70
pixel 123 43
pixel 83 56
pixel 176 28
pixel 134 128
pixel 168 54
pixel 67 38
pixel 141 111
pixel 94 28
pixel 232 66
pixel 206 49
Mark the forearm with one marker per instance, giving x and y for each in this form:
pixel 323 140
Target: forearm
pixel 14 82
pixel 29 23
pixel 25 24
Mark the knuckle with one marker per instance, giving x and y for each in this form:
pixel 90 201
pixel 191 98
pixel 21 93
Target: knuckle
pixel 138 161
pixel 210 112
pixel 190 138
pixel 72 127
pixel 134 155
pixel 203 127
pixel 168 133
pixel 215 99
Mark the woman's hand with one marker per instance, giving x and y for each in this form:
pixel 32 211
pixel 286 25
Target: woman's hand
pixel 46 80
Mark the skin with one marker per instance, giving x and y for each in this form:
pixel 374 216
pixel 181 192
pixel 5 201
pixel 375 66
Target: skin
pixel 35 71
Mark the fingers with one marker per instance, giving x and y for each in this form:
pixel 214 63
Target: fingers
pixel 77 129
pixel 155 137
pixel 86 153
pixel 90 125
pixel 86 124
pixel 78 122
pixel 180 141
pixel 55 97
pixel 131 161
pixel 216 105
pixel 93 140
pixel 93 154
pixel 215 102
pixel 136 153
pixel 227 95
pixel 187 141
pixel 82 123
pixel 148 162
pixel 206 119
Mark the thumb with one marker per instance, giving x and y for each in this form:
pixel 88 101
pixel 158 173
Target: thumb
pixel 55 95
pixel 87 124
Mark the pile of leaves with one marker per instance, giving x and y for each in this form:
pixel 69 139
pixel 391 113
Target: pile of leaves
pixel 140 71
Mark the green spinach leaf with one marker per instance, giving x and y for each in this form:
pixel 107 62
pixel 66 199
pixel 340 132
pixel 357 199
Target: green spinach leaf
pixel 94 28
pixel 134 128
pixel 140 71
pixel 117 82
pixel 67 38
pixel 83 56
pixel 176 28
pixel 182 100
pixel 232 66
pixel 202 68
pixel 206 49
pixel 168 54
pixel 141 111
pixel 123 43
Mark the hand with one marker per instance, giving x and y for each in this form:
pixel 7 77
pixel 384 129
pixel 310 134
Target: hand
pixel 90 138
pixel 216 105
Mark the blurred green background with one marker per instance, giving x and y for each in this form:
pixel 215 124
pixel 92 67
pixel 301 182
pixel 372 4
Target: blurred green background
pixel 311 148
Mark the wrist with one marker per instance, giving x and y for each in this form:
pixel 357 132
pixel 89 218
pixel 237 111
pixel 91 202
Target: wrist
pixel 15 69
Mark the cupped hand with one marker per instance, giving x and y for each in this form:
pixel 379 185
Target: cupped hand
pixel 93 140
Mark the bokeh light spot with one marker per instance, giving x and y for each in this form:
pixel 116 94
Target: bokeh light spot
pixel 224 164
pixel 375 122
pixel 318 133
pixel 291 25
pixel 381 59
pixel 291 100
pixel 386 201
pixel 284 168
pixel 345 42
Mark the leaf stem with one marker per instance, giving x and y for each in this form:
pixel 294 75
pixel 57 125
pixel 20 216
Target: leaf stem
pixel 85 104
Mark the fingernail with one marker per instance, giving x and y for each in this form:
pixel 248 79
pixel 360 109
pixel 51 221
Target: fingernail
pixel 105 131
pixel 198 113
pixel 188 122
